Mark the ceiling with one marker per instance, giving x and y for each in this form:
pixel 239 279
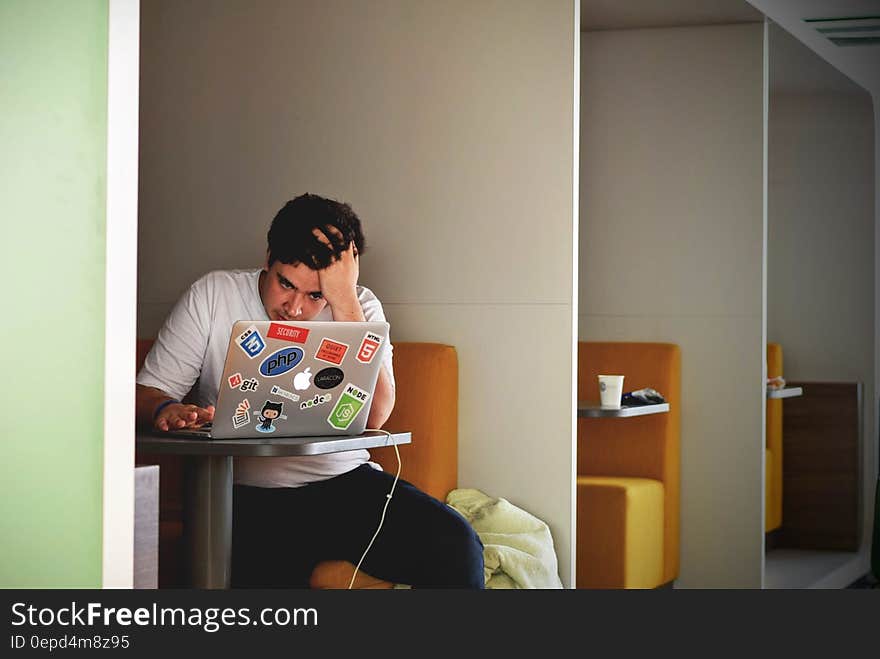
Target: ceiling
pixel 632 14
pixel 795 69
pixel 860 63
pixel 792 66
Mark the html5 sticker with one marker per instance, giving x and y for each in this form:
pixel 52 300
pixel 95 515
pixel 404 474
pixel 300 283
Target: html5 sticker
pixel 288 333
pixel 332 352
pixel 369 348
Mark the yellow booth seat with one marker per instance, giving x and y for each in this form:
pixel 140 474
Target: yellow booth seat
pixel 628 478
pixel 773 450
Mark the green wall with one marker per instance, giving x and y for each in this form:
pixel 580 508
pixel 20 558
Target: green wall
pixel 53 143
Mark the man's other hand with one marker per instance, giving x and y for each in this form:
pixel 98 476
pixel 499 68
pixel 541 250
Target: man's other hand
pixel 339 279
pixel 178 415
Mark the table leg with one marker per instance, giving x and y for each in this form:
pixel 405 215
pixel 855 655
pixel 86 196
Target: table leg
pixel 208 520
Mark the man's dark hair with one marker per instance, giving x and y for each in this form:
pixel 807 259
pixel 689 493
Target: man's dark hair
pixel 291 240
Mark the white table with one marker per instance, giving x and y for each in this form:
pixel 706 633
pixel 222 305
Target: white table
pixel 587 409
pixel 787 392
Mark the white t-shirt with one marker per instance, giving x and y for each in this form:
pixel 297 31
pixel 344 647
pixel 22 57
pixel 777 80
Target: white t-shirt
pixel 190 351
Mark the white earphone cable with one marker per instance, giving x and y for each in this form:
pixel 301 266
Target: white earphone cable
pixel 387 501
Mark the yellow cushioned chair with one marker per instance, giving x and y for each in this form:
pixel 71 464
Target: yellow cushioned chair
pixel 426 405
pixel 628 472
pixel 773 449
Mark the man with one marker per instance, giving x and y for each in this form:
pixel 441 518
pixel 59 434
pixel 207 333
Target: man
pixel 290 513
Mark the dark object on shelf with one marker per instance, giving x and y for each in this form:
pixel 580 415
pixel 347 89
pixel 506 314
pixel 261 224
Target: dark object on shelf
pixel 642 397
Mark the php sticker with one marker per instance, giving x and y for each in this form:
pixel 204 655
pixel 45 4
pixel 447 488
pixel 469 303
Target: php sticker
pixel 329 378
pixel 349 405
pixel 284 393
pixel 332 352
pixel 369 347
pixel 251 342
pixel 242 415
pixel 288 333
pixel 235 381
pixel 281 361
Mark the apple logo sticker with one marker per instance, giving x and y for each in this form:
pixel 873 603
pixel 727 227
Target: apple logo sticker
pixel 302 381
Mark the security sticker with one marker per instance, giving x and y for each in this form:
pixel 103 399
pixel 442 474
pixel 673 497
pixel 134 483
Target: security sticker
pixel 284 393
pixel 235 381
pixel 251 342
pixel 281 361
pixel 332 352
pixel 329 378
pixel 287 333
pixel 349 405
pixel 242 415
pixel 369 347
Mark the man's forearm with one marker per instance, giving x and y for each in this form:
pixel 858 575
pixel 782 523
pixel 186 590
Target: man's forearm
pixel 383 401
pixel 146 401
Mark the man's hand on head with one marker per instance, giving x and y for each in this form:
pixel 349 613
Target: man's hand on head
pixel 178 415
pixel 339 279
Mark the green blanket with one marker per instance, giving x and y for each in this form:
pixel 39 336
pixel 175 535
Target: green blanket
pixel 518 548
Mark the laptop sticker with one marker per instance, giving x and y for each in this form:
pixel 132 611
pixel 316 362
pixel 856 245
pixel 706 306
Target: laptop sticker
pixel 267 416
pixel 251 342
pixel 281 361
pixel 347 407
pixel 332 352
pixel 284 393
pixel 250 384
pixel 319 399
pixel 369 347
pixel 287 333
pixel 329 378
pixel 303 380
pixel 235 381
pixel 242 415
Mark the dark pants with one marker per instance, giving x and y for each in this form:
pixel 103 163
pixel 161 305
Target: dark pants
pixel 280 534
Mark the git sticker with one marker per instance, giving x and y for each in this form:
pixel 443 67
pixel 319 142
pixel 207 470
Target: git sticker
pixel 251 342
pixel 369 347
pixel 235 381
pixel 242 415
pixel 332 352
pixel 349 405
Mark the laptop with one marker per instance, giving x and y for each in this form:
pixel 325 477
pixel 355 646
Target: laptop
pixel 296 379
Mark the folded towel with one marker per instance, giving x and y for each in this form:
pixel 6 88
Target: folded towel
pixel 517 546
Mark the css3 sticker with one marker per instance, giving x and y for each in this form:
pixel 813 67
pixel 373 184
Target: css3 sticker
pixel 349 405
pixel 251 342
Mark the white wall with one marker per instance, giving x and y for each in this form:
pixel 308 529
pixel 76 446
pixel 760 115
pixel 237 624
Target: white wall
pixel 820 288
pixel 671 249
pixel 449 128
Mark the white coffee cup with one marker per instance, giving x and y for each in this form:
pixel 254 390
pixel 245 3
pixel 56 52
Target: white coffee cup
pixel 610 391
